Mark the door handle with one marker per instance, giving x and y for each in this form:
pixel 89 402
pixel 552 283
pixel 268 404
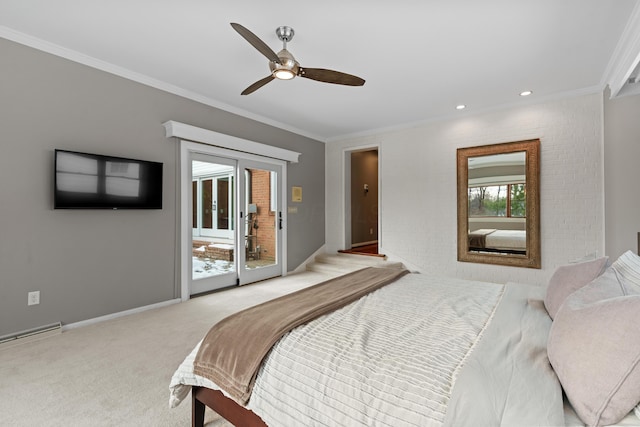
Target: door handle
pixel 280 220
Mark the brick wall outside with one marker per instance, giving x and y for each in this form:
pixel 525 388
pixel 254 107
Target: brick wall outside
pixel 204 249
pixel 260 196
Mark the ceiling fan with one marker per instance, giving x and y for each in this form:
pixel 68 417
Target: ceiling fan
pixel 284 66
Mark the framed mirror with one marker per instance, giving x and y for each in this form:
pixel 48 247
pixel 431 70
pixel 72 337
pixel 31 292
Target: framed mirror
pixel 499 204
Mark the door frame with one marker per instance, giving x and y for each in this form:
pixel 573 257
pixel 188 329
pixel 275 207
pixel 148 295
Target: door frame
pixel 346 179
pixel 184 185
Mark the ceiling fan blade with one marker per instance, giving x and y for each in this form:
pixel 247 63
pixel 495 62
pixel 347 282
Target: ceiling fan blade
pixel 257 85
pixel 256 42
pixel 330 76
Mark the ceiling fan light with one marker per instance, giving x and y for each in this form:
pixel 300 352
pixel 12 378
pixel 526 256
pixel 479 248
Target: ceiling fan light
pixel 283 74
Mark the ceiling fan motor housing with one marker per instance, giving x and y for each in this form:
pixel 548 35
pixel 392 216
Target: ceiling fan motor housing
pixel 288 63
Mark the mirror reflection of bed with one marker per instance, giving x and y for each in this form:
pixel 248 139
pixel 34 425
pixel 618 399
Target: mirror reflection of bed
pixel 500 241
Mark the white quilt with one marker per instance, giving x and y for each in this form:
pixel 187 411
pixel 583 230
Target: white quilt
pixel 507 239
pixel 397 356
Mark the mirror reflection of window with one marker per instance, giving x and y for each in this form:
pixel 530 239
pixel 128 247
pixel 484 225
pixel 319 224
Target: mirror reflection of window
pixel 76 173
pixel 122 179
pixel 497 190
pixel 498 200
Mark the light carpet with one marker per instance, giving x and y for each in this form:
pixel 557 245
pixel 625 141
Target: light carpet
pixel 117 373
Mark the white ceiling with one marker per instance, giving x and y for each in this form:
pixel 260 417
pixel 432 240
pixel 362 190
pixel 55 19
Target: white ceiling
pixel 420 58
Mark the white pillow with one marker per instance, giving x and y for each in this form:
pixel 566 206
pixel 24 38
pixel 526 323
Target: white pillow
pixel 594 344
pixel 568 279
pixel 628 269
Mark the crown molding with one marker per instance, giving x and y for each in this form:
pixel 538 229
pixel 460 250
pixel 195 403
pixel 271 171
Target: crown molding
pixel 75 56
pixel 626 55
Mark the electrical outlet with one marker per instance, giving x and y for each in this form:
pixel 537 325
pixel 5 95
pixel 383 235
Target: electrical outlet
pixel 33 298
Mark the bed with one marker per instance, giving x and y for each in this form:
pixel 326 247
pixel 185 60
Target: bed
pixel 420 350
pixel 495 240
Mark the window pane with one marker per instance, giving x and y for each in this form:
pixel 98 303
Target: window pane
pixel 518 200
pixel 488 201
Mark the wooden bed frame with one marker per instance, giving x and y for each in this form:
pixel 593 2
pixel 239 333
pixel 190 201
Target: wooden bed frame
pixel 223 406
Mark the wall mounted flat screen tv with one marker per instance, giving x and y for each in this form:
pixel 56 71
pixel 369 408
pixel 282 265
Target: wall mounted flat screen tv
pixel 93 181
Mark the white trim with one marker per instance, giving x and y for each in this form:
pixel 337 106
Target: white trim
pixel 111 316
pixel 626 56
pixel 346 199
pixel 603 206
pixel 81 58
pixel 184 207
pixel 209 137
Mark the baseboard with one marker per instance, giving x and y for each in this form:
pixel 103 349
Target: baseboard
pixel 30 335
pixel 106 317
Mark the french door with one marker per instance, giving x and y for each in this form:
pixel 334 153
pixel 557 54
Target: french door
pixel 261 220
pixel 212 197
pixel 235 220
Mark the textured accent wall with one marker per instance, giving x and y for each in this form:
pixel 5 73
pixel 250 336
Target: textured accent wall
pixel 418 186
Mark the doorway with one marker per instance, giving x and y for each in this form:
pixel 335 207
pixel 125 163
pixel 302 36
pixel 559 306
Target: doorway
pixel 362 201
pixel 232 225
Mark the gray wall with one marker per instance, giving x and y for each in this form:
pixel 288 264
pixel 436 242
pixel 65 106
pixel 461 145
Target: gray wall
pixel 622 174
pixel 92 263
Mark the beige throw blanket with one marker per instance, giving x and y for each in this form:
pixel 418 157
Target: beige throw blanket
pixel 478 238
pixel 233 349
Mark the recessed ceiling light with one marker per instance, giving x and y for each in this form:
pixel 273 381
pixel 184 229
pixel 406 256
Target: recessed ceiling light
pixel 526 93
pixel 461 107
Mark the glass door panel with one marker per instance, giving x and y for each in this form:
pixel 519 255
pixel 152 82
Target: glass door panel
pixel 213 261
pixel 224 211
pixel 207 205
pixel 261 221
